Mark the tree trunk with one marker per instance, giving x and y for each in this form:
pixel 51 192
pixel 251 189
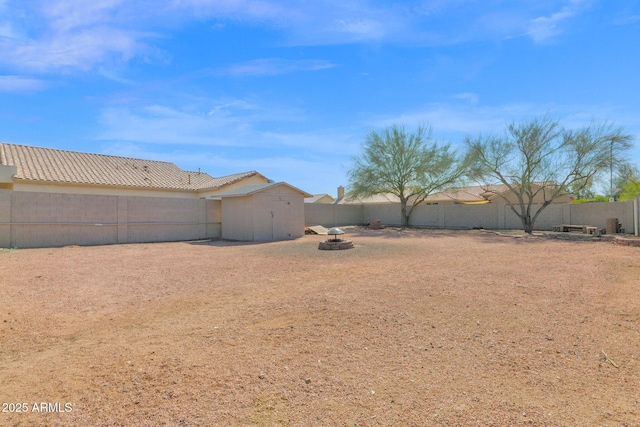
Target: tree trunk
pixel 403 214
pixel 527 224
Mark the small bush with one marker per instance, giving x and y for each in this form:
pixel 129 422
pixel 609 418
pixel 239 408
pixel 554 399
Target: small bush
pixel 592 200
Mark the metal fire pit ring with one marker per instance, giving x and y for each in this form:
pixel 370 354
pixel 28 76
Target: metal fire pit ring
pixel 335 244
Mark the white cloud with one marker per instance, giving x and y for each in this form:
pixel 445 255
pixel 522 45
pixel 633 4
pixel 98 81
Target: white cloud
pixel 69 35
pixel 80 50
pixel 321 22
pixel 448 119
pixel 544 28
pixel 223 123
pixel 471 98
pixel 227 107
pixel 68 15
pixel 20 84
pixel 628 20
pixel 114 76
pixel 274 66
pixel 361 29
pixel 157 124
pixel 232 9
pixel 6 30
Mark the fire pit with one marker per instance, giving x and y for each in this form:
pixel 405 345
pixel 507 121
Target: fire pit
pixel 335 243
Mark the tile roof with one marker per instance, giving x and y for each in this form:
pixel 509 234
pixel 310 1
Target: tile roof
pixel 256 188
pixel 376 198
pixel 475 193
pixel 314 198
pixel 71 167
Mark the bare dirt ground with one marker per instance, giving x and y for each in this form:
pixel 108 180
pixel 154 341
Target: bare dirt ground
pixel 409 328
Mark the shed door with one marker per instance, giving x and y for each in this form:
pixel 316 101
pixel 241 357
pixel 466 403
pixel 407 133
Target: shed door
pixel 273 214
pixel 283 219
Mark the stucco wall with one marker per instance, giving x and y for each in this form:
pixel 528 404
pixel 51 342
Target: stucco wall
pixel 387 213
pixel 5 218
pixel 56 219
pixel 237 218
pixel 597 213
pixel 333 215
pixel 490 216
pixel 6 173
pixel 34 187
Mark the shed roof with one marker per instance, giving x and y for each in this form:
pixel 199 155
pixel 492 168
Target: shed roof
pixel 257 188
pixel 71 167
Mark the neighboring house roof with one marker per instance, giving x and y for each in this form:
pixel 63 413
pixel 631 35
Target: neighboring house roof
pixel 476 194
pixel 71 167
pixel 375 199
pixel 471 195
pixel 257 188
pixel 319 198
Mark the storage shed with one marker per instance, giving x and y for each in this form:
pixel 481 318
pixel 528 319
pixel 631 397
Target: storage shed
pixel 273 211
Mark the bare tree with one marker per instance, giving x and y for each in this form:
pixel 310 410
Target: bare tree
pixel 410 166
pixel 539 161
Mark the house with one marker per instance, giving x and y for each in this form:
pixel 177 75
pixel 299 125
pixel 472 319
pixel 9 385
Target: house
pixel 59 171
pixel 470 195
pixel 51 197
pixel 386 198
pixel 482 194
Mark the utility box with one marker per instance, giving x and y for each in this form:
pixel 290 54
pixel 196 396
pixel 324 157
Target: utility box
pixel 612 225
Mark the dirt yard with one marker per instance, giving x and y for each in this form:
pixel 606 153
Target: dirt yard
pixel 409 328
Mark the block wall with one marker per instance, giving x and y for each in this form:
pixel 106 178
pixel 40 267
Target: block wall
pixel 32 219
pixel 489 216
pixel 331 215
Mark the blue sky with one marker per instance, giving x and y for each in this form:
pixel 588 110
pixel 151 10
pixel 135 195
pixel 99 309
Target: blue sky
pixel 291 88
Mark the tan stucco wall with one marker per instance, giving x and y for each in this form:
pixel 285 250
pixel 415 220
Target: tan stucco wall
pixel 237 218
pixel 5 218
pixel 333 215
pixel 491 216
pixel 27 186
pixel 6 173
pixel 53 219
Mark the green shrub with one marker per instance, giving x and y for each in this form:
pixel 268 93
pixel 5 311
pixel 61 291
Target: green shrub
pixel 592 200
